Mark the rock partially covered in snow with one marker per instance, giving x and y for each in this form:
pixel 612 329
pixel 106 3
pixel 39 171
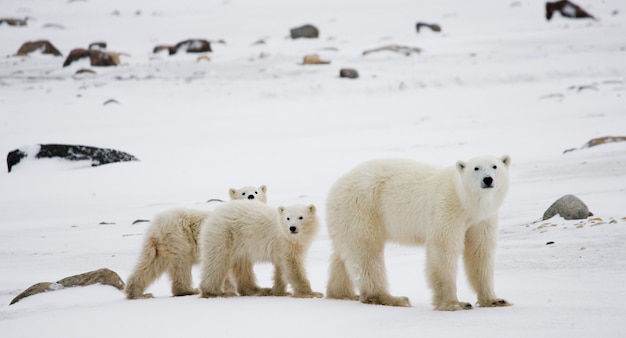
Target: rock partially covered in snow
pixel 569 207
pixel 348 73
pixel 97 156
pixel 102 276
pixel 188 46
pixel 567 10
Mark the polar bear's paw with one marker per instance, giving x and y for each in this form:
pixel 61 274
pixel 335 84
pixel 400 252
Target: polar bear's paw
pixel 385 300
pixel 187 292
pixel 494 303
pixel 221 294
pixel 453 306
pixel 311 294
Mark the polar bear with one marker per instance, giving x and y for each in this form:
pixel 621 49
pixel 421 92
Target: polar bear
pixel 249 192
pixel 170 245
pixel 450 210
pixel 244 232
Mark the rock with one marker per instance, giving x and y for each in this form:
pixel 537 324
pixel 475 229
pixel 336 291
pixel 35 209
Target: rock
pixel 348 73
pixel 395 48
pixel 41 45
pixel 433 26
pixel 602 140
pixel 306 31
pixel 569 207
pixel 188 46
pixel 313 59
pixel 102 276
pixel 567 10
pixel 97 58
pixel 14 21
pixel 99 45
pixel 97 156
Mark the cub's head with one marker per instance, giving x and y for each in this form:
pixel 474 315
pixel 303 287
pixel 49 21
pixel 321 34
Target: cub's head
pixel 486 173
pixel 298 222
pixel 249 193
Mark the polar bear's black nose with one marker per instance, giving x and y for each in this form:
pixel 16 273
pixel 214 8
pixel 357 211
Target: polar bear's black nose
pixel 250 197
pixel 488 181
pixel 293 229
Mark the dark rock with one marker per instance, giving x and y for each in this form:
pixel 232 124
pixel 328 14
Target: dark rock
pixel 85 71
pixel 188 46
pixel 433 26
pixel 348 73
pixel 41 45
pixel 97 156
pixel 569 207
pixel 100 45
pixel 567 10
pixel 306 31
pixel 406 50
pixel 102 276
pixel 550 243
pixel 140 221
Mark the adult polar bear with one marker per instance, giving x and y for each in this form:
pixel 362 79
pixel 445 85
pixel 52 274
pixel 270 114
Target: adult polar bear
pixel 450 210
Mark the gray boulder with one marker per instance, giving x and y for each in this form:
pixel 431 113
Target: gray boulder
pixel 569 207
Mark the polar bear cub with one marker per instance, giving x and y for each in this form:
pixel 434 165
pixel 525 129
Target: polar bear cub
pixel 170 246
pixel 452 211
pixel 249 193
pixel 240 232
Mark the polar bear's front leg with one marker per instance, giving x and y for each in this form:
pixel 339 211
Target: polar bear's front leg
pixel 480 246
pixel 442 251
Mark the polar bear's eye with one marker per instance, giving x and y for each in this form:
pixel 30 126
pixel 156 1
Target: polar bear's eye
pixel 288 218
pixel 256 193
pixel 476 168
pixel 300 217
pixel 495 167
pixel 243 194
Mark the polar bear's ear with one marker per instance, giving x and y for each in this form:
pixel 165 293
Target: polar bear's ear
pixel 312 208
pixel 506 160
pixel 460 165
pixel 233 193
pixel 263 188
pixel 281 210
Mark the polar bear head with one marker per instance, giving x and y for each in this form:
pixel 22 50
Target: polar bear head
pixel 485 173
pixel 298 222
pixel 249 193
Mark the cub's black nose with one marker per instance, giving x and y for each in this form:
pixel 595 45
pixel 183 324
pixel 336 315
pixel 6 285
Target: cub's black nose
pixel 488 181
pixel 250 197
pixel 293 229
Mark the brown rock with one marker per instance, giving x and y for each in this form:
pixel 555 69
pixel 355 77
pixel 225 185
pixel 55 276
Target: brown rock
pixel 313 59
pixel 102 276
pixel 14 21
pixel 602 140
pixel 96 57
pixel 432 26
pixel 42 45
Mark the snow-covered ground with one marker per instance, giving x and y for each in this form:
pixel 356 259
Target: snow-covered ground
pixel 499 79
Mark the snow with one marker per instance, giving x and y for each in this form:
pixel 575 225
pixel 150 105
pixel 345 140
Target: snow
pixel 499 79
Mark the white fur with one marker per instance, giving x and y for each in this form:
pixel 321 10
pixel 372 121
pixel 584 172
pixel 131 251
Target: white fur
pixel 240 233
pixel 249 193
pixel 170 246
pixel 449 210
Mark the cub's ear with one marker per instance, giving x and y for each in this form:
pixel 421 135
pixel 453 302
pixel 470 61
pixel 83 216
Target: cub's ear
pixel 281 210
pixel 312 208
pixel 460 166
pixel 506 160
pixel 263 188
pixel 233 193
